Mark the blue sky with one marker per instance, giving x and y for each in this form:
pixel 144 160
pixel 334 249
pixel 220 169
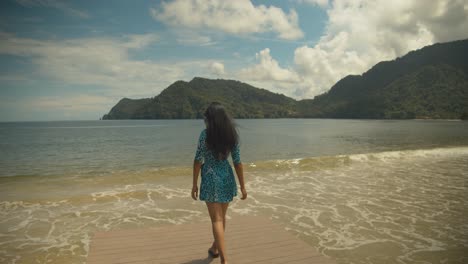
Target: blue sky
pixel 74 60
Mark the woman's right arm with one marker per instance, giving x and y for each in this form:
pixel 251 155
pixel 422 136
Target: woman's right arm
pixel 235 154
pixel 196 171
pixel 240 175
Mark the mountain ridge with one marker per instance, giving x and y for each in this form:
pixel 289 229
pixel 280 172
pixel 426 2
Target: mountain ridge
pixel 431 82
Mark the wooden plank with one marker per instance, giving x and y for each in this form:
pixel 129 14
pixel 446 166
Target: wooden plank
pixel 248 240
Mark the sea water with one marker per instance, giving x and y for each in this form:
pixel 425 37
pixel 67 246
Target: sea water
pixel 359 191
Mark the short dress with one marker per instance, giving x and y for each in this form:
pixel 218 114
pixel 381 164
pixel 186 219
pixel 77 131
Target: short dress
pixel 218 183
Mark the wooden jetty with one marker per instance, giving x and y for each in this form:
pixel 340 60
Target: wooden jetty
pixel 249 239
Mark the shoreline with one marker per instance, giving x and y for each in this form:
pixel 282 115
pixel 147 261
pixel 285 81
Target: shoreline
pixel 170 170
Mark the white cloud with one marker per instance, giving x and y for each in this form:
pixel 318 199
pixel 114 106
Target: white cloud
pixel 54 4
pixel 268 74
pixel 71 103
pixel 105 62
pixel 235 17
pixel 322 3
pixel 69 106
pixel 217 68
pixel 191 38
pixel 136 41
pixel 267 69
pixel 359 34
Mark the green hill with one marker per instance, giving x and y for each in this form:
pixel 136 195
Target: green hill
pixel 186 100
pixel 428 83
pixel 125 108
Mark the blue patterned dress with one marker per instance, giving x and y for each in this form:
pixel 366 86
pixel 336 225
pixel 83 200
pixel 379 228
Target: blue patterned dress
pixel 218 183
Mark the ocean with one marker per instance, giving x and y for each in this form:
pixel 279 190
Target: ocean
pixel 359 191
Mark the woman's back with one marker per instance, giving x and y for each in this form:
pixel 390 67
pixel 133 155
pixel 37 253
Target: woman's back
pixel 203 154
pixel 218 183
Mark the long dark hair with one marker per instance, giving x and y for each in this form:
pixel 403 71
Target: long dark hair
pixel 221 133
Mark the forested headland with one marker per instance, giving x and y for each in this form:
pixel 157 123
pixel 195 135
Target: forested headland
pixel 428 83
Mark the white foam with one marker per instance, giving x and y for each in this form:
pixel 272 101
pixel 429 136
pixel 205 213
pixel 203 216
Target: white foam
pixel 419 153
pixel 252 165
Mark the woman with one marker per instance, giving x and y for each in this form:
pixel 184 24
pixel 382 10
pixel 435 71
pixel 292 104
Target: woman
pixel 218 185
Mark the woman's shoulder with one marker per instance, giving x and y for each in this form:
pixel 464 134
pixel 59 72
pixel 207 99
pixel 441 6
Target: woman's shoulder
pixel 203 133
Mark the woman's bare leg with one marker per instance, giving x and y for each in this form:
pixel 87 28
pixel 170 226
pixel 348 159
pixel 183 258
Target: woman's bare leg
pixel 217 219
pixel 224 207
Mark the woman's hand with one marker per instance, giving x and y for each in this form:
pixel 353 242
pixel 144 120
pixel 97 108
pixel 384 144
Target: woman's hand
pixel 195 192
pixel 244 194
